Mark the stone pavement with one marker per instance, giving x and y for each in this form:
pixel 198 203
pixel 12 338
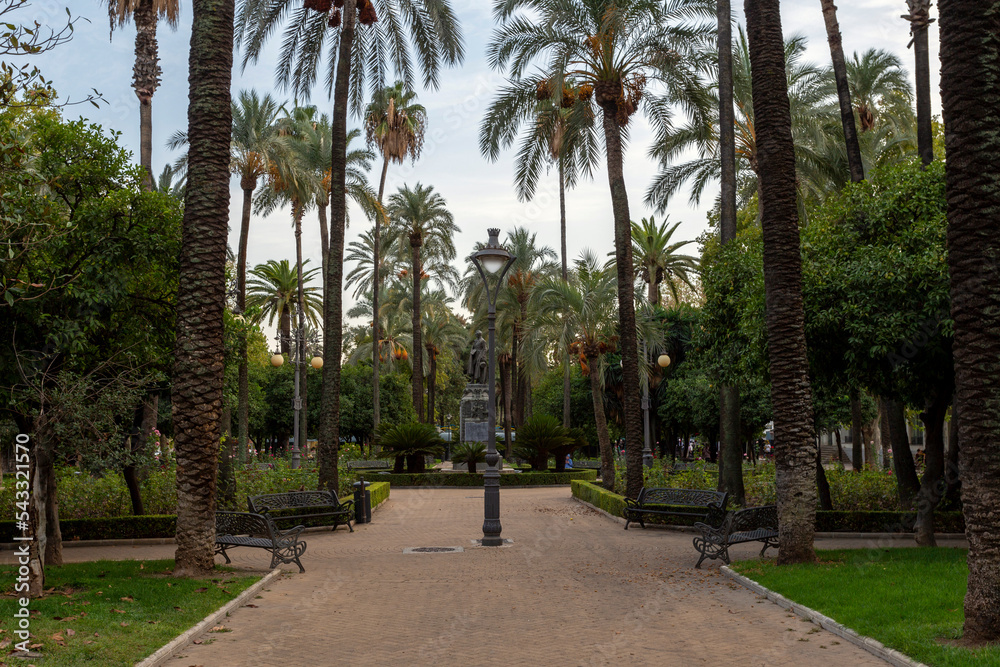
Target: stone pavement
pixel 574 588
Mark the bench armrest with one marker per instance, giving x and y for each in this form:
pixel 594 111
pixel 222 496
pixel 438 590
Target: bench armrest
pixel 711 533
pixel 346 506
pixel 290 535
pixel 631 503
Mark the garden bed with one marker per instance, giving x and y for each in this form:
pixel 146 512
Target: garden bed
pixel 153 526
pixel 910 599
pixel 850 521
pixel 464 479
pixel 115 613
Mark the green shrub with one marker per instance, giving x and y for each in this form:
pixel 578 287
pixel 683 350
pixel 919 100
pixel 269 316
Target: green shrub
pixel 476 479
pixel 469 453
pixel 379 492
pixel 411 441
pixel 543 436
pixel 599 497
pixel 117 528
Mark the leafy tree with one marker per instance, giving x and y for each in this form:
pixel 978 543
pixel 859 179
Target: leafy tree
pixel 273 289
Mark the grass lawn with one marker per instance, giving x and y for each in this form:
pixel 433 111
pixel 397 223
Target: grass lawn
pixel 909 599
pixel 113 613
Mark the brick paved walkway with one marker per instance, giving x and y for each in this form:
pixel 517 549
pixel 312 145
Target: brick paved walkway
pixel 573 589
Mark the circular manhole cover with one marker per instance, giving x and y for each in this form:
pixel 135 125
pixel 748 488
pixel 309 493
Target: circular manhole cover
pixel 432 550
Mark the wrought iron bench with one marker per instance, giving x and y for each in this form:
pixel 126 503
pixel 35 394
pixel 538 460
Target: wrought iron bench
pixel 673 502
pixel 314 504
pixel 246 529
pixel 753 524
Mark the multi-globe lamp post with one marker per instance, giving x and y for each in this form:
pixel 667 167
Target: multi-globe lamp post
pixel 647 451
pixel 492 260
pixel 277 359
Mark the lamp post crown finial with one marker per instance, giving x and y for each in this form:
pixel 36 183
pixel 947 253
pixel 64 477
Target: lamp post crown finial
pixel 494 237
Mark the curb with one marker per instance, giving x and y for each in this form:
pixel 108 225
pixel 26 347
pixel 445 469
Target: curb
pixel 599 510
pixel 876 648
pixel 180 642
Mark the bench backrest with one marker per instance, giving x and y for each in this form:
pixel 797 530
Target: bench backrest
pixel 683 497
pixel 292 500
pixel 243 523
pixel 753 518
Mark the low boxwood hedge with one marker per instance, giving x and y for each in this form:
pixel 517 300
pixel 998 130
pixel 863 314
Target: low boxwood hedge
pixel 140 527
pixel 464 479
pixel 826 521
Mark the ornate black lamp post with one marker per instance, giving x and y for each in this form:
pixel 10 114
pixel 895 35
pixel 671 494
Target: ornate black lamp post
pixel 492 260
pixel 647 450
pixel 298 339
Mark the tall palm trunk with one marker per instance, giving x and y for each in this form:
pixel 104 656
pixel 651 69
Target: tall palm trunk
pixel 145 80
pixel 626 299
pixel 603 437
pixel 333 316
pixel 731 471
pixel 843 91
pixel 515 416
pixel 285 325
pixel 970 78
pixel 248 185
pixel 504 369
pixel 300 338
pixel 795 456
pixel 197 376
pixel 324 240
pixel 418 362
pixel 919 18
pixel 431 382
pixel 376 290
pixel 565 276
pixel 652 290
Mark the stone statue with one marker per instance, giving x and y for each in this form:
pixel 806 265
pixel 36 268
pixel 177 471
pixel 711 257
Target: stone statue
pixel 476 368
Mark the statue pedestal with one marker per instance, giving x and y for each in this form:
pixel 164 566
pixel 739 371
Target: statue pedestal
pixel 474 414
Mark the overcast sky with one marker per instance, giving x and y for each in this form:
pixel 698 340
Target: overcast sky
pixel 479 193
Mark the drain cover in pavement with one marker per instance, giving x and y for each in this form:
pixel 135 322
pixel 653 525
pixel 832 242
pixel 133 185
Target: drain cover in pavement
pixel 433 550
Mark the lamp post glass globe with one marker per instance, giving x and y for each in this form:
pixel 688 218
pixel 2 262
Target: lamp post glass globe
pixel 664 360
pixel 316 362
pixel 277 360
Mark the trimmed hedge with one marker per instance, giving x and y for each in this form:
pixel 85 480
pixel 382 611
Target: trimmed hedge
pixel 826 522
pixel 464 479
pixel 140 527
pixel 116 528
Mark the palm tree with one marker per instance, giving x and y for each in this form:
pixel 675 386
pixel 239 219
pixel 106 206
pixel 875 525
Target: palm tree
pixel 196 391
pixel 419 215
pixel 807 93
pixel 273 287
pixel 146 71
pixel 396 124
pixel 843 91
pixel 443 334
pixel 361 253
pixel 657 259
pixel 920 20
pixel 254 146
pixel 795 455
pixel 584 307
pixel 618 47
pixel 427 29
pixel 968 83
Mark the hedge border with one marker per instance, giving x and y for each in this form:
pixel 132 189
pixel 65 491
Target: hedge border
pixel 466 480
pixel 826 521
pixel 142 527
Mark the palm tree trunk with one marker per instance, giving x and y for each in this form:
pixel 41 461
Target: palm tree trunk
pixel 515 416
pixel 418 361
pixel 505 398
pixel 324 240
pixel 603 437
pixel 626 304
pixel 565 276
pixel 197 375
pixel 795 456
pixel 243 400
pixel 969 78
pixel 919 17
pixel 285 324
pixel 431 384
pixel 376 289
pixel 300 373
pixel 333 316
pixel 731 473
pixel 843 91
pixel 145 80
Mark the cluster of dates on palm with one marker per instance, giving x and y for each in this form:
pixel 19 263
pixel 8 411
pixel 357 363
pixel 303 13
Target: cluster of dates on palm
pixel 366 10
